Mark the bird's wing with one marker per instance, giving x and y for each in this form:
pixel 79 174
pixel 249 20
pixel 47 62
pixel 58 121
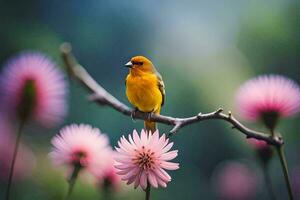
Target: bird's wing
pixel 126 79
pixel 161 87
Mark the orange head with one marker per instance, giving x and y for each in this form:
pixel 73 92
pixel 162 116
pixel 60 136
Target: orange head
pixel 139 65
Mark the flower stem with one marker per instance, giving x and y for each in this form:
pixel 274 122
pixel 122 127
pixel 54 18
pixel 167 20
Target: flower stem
pixel 72 180
pixel 268 181
pixel 107 194
pixel 12 166
pixel 285 171
pixel 148 189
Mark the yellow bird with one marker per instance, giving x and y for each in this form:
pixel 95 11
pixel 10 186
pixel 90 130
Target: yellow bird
pixel 145 88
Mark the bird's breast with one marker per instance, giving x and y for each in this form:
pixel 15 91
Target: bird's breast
pixel 143 92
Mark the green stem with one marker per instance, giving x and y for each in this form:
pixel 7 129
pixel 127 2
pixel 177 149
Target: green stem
pixel 12 166
pixel 268 181
pixel 285 171
pixel 72 180
pixel 148 189
pixel 107 194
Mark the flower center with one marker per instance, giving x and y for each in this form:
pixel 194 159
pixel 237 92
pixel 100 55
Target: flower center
pixel 145 159
pixel 79 158
pixel 270 119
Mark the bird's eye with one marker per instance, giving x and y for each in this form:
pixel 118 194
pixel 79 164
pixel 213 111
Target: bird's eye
pixel 137 63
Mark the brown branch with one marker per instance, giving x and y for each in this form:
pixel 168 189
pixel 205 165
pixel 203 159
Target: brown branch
pixel 101 96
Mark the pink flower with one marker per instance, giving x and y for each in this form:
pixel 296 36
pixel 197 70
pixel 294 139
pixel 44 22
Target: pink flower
pixel 295 176
pixel 235 181
pixel 111 179
pixel 268 97
pixel 263 150
pixel 25 160
pixel 32 85
pixel 145 158
pixel 257 144
pixel 81 145
pixel 107 177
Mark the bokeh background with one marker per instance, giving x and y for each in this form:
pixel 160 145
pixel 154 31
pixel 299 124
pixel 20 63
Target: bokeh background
pixel 204 51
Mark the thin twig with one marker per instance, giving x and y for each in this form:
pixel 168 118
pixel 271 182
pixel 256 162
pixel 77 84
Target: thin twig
pixel 102 97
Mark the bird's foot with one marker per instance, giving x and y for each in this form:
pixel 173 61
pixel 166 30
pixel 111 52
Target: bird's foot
pixel 149 115
pixel 133 114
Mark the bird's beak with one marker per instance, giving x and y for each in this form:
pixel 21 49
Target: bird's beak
pixel 129 64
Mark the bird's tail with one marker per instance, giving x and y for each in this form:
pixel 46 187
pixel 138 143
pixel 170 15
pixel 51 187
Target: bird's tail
pixel 149 125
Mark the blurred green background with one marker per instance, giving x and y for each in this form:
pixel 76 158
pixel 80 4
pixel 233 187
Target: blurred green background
pixel 204 51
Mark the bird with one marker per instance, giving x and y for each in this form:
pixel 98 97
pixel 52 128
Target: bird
pixel 145 88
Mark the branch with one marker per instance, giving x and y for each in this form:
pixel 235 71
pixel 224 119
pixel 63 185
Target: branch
pixel 102 97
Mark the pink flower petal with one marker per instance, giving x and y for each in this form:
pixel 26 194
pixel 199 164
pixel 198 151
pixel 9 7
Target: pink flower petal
pixel 152 179
pixel 169 165
pixel 169 156
pixel 143 180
